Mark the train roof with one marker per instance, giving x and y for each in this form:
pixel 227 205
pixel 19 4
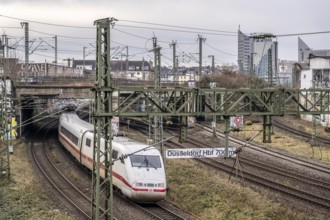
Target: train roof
pixel 126 144
pixel 74 119
pixel 130 145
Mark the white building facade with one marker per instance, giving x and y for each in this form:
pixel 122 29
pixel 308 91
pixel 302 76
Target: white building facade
pixel 317 76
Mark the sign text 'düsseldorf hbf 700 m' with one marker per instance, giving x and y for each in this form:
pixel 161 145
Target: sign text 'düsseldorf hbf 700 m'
pixel 198 152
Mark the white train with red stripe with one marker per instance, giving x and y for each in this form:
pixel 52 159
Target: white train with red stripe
pixel 140 176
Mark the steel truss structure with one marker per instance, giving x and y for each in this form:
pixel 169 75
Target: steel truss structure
pixel 4 152
pixel 228 102
pixel 102 115
pixel 182 102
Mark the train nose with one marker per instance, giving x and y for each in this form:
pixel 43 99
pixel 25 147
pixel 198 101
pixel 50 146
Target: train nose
pixel 149 184
pixel 148 192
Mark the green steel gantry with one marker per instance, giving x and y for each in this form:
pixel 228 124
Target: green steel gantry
pixel 181 102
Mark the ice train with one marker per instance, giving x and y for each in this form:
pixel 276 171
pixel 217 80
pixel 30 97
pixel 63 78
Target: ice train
pixel 140 176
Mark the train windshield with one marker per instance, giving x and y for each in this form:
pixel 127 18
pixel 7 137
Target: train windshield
pixel 145 161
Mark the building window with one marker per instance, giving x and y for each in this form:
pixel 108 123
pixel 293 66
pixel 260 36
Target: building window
pixel 326 75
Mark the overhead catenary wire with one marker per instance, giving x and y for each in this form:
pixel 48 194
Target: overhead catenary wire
pixel 120 27
pixel 175 26
pixel 178 30
pixel 46 23
pixel 299 34
pixel 197 30
pixel 64 36
pixel 226 53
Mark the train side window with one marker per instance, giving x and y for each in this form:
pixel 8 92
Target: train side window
pixel 88 142
pixel 74 139
pixel 114 154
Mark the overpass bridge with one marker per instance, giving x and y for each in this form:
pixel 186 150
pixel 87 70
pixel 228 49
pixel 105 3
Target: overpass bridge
pixel 177 99
pixel 34 95
pixel 55 87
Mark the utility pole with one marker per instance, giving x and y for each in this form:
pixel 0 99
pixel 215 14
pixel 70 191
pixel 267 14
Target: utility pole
pixel 26 45
pixel 275 65
pixel 102 115
pixel 158 120
pixel 5 42
pixel 84 55
pixel 213 68
pixel 156 50
pixel 173 45
pixel 143 73
pixel 214 122
pixel 201 40
pixel 126 60
pixel 4 151
pixel 55 55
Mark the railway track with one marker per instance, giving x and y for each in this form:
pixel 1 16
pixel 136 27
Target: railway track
pixel 262 181
pixel 319 139
pixel 304 194
pixel 260 148
pixel 270 168
pixel 161 213
pixel 79 201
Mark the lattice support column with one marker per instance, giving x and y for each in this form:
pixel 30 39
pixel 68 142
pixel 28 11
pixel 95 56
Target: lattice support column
pixel 4 153
pixel 102 115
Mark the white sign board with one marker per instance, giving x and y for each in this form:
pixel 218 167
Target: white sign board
pixel 198 152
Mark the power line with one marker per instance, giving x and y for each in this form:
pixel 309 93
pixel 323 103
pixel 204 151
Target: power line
pixel 176 30
pixel 45 23
pixel 127 45
pixel 134 35
pixel 37 54
pixel 10 27
pixel 220 50
pixel 298 34
pixel 175 26
pixel 72 37
pixel 133 55
pixel 230 33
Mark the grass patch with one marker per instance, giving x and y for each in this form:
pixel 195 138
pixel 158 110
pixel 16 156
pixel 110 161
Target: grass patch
pixel 27 203
pixel 72 174
pixel 281 140
pixel 23 197
pixel 208 195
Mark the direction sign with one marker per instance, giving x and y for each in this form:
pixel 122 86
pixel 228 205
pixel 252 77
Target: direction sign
pixel 198 152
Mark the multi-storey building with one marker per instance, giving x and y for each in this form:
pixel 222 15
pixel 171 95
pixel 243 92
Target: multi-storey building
pixel 317 75
pixel 304 52
pixel 257 54
pixel 132 70
pixel 244 52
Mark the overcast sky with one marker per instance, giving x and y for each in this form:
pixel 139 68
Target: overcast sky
pixel 208 17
